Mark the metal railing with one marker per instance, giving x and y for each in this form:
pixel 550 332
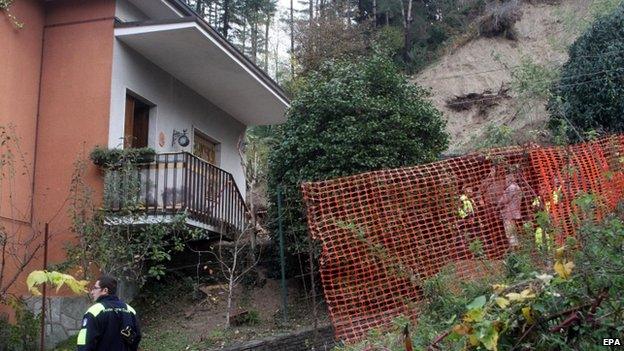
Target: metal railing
pixel 177 182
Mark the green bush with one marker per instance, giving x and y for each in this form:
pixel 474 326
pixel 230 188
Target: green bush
pixel 23 335
pixel 345 119
pixel 589 96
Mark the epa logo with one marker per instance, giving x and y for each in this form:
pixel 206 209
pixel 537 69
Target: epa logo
pixel 611 342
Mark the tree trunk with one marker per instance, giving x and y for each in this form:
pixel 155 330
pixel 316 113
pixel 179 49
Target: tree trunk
pixel 292 39
pixel 375 13
pixel 276 53
pixel 360 14
pixel 226 18
pixel 266 43
pixel 216 14
pixel 244 36
pixel 254 40
pixel 311 10
pixel 407 28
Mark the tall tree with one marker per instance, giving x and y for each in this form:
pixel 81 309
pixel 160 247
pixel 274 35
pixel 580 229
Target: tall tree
pixel 226 18
pixel 292 37
pixel 266 42
pixel 406 11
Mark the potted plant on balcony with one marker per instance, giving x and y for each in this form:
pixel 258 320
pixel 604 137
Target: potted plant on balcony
pixel 105 157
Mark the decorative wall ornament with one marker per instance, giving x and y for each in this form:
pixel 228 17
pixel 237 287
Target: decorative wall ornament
pixel 181 137
pixel 161 139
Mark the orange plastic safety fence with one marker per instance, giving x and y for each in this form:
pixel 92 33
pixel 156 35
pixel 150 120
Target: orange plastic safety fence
pixel 384 232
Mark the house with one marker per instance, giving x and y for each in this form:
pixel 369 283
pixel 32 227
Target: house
pixel 124 73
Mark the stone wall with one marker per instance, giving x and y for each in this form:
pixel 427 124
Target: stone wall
pixel 63 316
pixel 299 341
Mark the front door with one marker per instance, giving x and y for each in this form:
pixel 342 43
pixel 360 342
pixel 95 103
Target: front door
pixel 206 149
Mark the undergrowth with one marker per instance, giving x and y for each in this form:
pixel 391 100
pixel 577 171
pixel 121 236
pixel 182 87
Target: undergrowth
pixel 548 297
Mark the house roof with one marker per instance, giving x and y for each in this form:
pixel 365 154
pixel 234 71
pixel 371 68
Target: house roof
pixel 196 55
pixel 179 4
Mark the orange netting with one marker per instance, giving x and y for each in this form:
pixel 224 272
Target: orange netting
pixel 383 232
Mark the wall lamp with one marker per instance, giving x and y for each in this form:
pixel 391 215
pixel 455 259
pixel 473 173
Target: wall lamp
pixel 181 137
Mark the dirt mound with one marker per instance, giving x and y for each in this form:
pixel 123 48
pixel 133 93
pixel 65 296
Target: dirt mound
pixel 486 64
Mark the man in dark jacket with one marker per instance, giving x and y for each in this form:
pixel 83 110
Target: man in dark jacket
pixel 110 324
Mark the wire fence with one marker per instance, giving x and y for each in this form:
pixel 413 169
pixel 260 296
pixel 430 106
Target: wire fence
pixel 383 233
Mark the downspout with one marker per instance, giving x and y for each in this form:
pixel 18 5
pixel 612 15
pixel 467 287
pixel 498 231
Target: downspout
pixel 32 190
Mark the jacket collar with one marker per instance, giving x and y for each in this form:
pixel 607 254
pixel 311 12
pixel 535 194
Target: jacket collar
pixel 107 298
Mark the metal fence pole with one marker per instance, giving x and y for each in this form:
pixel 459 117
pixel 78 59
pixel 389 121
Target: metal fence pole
pixel 282 260
pixel 43 296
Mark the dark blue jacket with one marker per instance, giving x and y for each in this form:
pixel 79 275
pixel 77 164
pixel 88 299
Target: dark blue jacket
pixel 102 324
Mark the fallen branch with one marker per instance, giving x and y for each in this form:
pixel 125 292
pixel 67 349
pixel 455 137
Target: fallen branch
pixel 483 100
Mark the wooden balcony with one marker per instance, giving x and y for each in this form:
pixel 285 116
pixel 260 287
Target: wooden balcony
pixel 174 183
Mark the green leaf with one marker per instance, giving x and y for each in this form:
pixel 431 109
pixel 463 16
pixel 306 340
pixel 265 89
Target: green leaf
pixel 474 315
pixel 36 278
pixel 488 336
pixel 477 303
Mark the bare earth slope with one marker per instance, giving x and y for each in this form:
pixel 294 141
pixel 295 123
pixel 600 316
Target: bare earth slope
pixel 487 63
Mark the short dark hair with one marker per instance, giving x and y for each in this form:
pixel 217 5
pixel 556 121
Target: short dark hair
pixel 108 282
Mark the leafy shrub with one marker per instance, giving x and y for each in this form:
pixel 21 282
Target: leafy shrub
pixel 417 59
pixel 22 335
pixel 349 118
pixel 389 40
pixel 499 20
pixel 532 80
pixel 590 93
pixel 494 136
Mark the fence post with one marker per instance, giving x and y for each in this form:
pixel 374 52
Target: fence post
pixel 43 296
pixel 282 260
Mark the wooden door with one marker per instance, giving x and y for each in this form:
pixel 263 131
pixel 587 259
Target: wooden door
pixel 204 148
pixel 136 126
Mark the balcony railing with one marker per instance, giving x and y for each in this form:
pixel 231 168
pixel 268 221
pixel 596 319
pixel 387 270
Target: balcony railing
pixel 177 182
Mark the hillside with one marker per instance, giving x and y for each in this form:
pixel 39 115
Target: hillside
pixel 487 64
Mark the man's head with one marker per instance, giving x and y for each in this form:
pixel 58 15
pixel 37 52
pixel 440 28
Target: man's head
pixel 105 285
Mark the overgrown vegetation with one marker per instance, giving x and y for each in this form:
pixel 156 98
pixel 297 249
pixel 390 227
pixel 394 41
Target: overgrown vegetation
pixel 500 18
pixel 548 298
pixel 494 136
pixel 350 118
pixel 114 241
pixel 533 81
pixel 23 334
pixel 589 96
pixel 20 246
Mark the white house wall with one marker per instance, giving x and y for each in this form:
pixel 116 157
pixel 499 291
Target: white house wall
pixel 176 107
